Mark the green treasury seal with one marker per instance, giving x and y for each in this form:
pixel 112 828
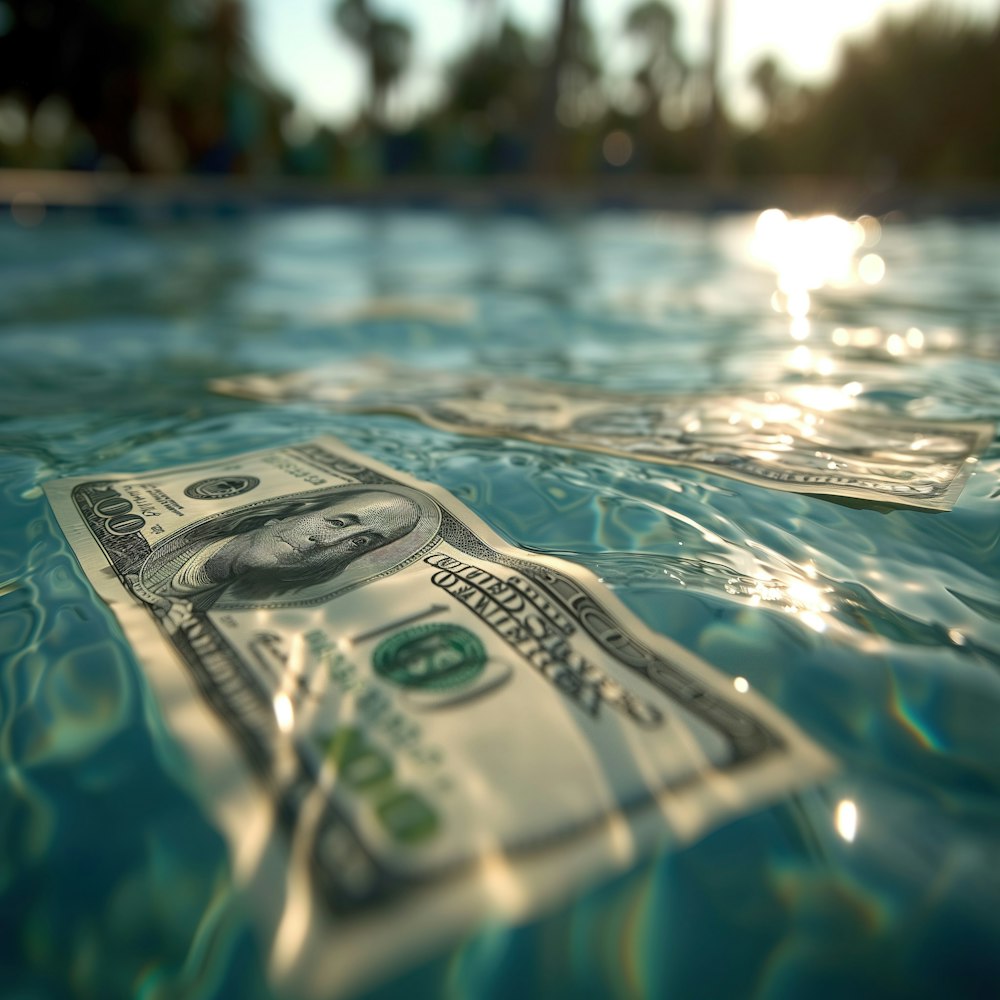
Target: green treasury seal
pixel 430 657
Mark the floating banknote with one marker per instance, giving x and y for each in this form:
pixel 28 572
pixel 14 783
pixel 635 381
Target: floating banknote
pixel 403 723
pixel 805 440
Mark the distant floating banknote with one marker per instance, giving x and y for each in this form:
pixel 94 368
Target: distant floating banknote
pixel 403 723
pixel 803 440
pixel 426 308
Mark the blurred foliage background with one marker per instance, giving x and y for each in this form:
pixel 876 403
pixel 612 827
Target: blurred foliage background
pixel 165 87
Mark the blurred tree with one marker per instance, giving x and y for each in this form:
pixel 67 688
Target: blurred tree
pixel 207 63
pixel 385 44
pixel 780 97
pixel 766 79
pixel 657 111
pixel 663 72
pixel 227 114
pixel 491 93
pixel 496 73
pixel 567 86
pixel 100 56
pixel 915 100
pixel 581 97
pixel 487 14
pixel 716 125
pixel 156 85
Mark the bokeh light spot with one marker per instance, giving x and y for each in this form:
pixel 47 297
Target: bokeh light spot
pixel 846 820
pixel 617 148
pixel 871 269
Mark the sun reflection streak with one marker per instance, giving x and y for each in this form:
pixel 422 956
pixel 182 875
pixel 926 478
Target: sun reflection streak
pixel 872 340
pixel 813 620
pixel 807 253
pixel 798 303
pixel 808 596
pixel 805 597
pixel 811 253
pixel 800 328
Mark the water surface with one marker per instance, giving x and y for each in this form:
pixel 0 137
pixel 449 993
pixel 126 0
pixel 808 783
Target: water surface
pixel 876 629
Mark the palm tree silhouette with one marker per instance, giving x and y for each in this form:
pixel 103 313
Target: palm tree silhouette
pixel 663 71
pixel 384 43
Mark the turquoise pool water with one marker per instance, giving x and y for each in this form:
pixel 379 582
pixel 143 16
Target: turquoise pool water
pixel 876 629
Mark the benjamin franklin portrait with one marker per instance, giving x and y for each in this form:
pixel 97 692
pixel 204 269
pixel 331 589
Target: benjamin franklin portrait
pixel 289 546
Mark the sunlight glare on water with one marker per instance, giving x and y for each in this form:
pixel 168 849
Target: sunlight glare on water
pixel 807 254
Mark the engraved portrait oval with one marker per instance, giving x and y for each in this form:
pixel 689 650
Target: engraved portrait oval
pixel 293 550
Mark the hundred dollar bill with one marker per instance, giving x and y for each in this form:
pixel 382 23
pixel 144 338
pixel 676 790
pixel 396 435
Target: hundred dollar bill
pixel 403 723
pixel 803 440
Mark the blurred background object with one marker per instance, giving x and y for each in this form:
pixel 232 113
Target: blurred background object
pixel 361 90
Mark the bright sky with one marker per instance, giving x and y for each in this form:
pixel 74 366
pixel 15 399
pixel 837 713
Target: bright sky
pixel 303 52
